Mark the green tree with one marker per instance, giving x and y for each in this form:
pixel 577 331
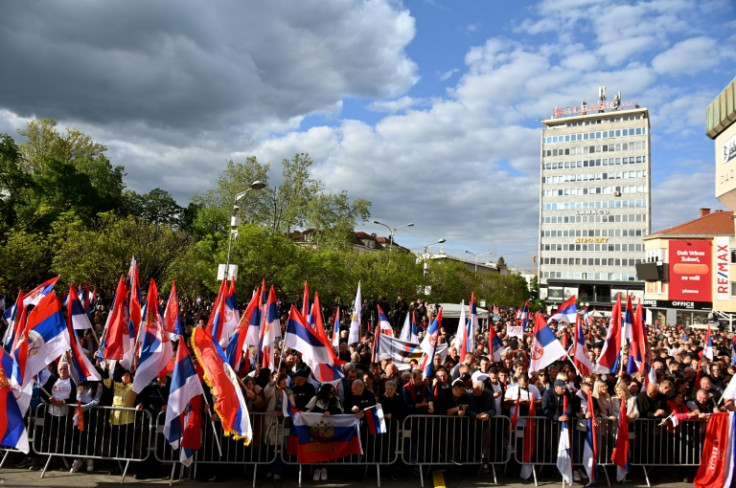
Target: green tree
pixel 43 141
pixel 332 218
pixel 15 182
pixel 157 206
pixel 24 259
pixel 290 202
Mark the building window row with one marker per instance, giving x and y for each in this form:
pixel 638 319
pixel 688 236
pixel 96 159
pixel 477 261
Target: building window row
pixel 593 247
pixel 581 275
pixel 595 135
pixel 589 121
pixel 613 175
pixel 635 203
pixel 593 218
pixel 592 163
pixel 593 233
pixel 590 261
pixel 619 146
pixel 596 190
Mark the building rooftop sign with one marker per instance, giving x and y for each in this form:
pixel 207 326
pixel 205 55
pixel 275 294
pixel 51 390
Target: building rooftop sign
pixel 599 107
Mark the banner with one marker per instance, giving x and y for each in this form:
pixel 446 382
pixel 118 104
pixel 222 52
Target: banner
pixel 315 438
pixel 402 352
pixel 722 281
pixel 690 270
pixel 716 466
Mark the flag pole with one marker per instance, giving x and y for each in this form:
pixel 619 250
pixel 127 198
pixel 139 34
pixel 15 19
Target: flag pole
pixel 212 422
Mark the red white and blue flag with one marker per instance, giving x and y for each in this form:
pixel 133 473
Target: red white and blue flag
pixel 590 447
pixel 156 350
pixel 232 314
pixel 566 312
pixel 172 319
pixel 185 385
pixel 45 337
pixel 288 409
pixel 530 437
pixel 707 351
pixel 316 439
pixel 117 327
pixel 216 321
pixel 236 344
pixel 384 328
pixel 34 296
pixel 495 346
pixel 77 316
pixel 587 317
pixel 316 351
pixel 375 420
pixel 610 354
pixel 473 324
pixel 564 458
pixel 621 456
pixel 580 356
pixel 80 367
pixel 717 466
pixel 733 350
pixel 546 348
pixel 637 346
pixel 461 335
pixel 429 344
pixel 336 330
pixel 306 308
pixel 270 330
pixel 13 433
pixel 252 338
pixel 355 318
pixel 223 382
pixel 15 317
pixel 409 332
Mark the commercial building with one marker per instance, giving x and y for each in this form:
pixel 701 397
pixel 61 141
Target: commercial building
pixel 594 201
pixel 687 271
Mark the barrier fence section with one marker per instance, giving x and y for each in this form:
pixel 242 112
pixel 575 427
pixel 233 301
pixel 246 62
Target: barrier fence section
pixel 378 450
pixel 439 440
pixel 110 433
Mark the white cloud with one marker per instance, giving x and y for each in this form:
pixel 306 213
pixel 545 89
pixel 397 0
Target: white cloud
pixel 688 57
pixel 393 106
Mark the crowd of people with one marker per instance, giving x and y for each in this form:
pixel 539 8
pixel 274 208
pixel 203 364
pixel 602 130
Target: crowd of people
pixel 683 386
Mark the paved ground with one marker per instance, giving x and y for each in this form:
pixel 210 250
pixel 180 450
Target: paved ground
pixel 453 477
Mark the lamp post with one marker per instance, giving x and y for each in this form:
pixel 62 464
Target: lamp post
pixel 426 252
pixel 235 220
pixel 475 260
pixel 392 231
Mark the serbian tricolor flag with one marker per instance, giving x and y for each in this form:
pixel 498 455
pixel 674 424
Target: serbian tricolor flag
pixel 495 346
pixel 171 315
pixel 621 456
pixel 530 435
pixel 156 351
pixel 375 420
pixel 252 338
pixel 223 382
pixel 580 356
pixel 44 339
pixel 627 324
pixel 80 367
pixel 288 409
pixel 306 308
pixel 13 432
pixel 270 330
pixel 16 318
pixel 564 459
pixel 429 344
pixel 34 296
pixel 409 331
pixel 707 351
pixel 336 330
pixel 566 312
pixel 232 314
pixel 185 385
pixel 611 352
pixel 216 321
pixel 587 317
pixel 637 347
pixel 316 439
pixel 135 313
pixel 116 328
pixel 316 351
pixel 461 335
pixel 316 314
pixel 716 467
pixel 75 311
pixel 590 447
pixel 384 328
pixel 545 349
pixel 473 324
pixel 236 344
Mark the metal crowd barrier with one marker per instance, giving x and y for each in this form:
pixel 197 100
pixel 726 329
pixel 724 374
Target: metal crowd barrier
pixel 57 435
pixel 378 450
pixel 653 444
pixel 441 440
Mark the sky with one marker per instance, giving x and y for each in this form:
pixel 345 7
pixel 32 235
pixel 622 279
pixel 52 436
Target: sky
pixel 430 109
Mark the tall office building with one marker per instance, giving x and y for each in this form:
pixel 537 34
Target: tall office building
pixel 594 201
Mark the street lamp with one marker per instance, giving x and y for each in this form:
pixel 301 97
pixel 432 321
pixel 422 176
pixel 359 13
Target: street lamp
pixel 426 252
pixel 475 259
pixel 235 220
pixel 392 231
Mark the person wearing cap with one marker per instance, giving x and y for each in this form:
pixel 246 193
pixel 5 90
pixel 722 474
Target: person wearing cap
pixel 481 410
pixel 302 389
pixel 553 402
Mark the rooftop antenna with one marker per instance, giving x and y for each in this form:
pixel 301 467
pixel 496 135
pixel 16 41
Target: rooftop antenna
pixel 601 97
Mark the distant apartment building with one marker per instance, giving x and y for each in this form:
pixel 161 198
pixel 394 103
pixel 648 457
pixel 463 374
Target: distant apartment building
pixel 594 201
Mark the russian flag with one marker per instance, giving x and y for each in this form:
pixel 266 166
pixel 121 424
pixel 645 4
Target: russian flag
pixel 171 314
pixel 229 400
pixel 566 312
pixel 34 296
pixel 375 420
pixel 580 356
pixel 156 348
pixel 545 349
pixel 45 337
pixel 77 316
pixel 610 354
pixel 81 368
pixel 13 432
pixel 316 351
pixel 185 385
pixel 116 329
